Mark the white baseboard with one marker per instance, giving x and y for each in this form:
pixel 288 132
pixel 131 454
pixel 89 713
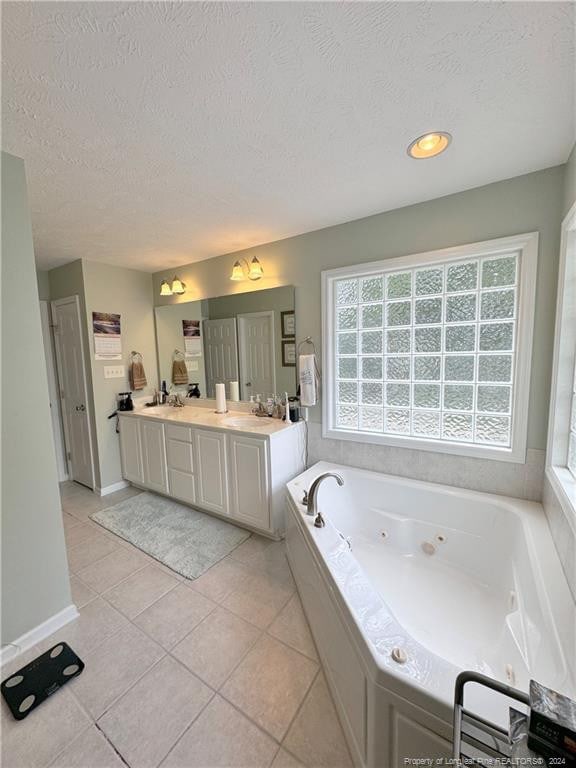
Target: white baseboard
pixel 112 488
pixel 39 633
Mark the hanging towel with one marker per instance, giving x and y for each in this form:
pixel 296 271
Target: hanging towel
pixel 179 372
pixel 136 372
pixel 309 380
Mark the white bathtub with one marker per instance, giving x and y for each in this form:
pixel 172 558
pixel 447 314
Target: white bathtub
pixel 454 579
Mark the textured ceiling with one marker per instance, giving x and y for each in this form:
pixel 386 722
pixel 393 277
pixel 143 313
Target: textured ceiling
pixel 156 134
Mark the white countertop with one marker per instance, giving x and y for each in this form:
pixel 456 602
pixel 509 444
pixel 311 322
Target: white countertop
pixel 233 421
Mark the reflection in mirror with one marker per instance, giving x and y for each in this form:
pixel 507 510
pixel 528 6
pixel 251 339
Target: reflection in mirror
pixel 248 338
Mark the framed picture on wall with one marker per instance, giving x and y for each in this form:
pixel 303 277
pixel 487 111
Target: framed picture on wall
pixel 288 354
pixel 288 325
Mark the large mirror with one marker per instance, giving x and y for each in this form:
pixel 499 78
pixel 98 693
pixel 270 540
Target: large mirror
pixel 248 338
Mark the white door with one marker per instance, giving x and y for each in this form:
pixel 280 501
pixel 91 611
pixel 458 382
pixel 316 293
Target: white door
pixel 249 480
pixel 212 474
pixel 131 450
pixel 154 455
pixel 73 389
pixel 55 415
pixel 220 353
pixel 256 352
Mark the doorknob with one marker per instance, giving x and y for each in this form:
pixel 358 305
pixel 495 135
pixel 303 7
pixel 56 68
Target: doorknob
pixel 248 384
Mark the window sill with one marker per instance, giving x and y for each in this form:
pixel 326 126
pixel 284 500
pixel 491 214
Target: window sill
pixel 564 486
pixel 493 453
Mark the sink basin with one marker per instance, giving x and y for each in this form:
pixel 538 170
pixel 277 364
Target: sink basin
pixel 156 410
pixel 242 421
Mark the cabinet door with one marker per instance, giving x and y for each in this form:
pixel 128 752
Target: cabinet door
pixel 250 500
pixel 212 471
pixel 154 456
pixel 182 485
pixel 179 455
pixel 131 450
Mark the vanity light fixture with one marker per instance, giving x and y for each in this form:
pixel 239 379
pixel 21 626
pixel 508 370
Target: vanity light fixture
pixel 178 287
pixel 429 145
pixel 237 271
pixel 242 269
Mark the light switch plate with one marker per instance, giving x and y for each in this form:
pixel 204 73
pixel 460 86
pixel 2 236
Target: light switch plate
pixel 114 372
pixel 192 365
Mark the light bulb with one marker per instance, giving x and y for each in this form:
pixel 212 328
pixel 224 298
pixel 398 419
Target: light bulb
pixel 429 145
pixel 256 271
pixel 237 272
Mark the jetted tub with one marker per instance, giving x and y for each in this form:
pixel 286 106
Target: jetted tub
pixel 410 583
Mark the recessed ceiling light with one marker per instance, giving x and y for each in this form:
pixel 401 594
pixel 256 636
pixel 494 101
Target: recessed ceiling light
pixel 429 145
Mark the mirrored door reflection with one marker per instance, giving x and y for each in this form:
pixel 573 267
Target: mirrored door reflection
pixel 245 340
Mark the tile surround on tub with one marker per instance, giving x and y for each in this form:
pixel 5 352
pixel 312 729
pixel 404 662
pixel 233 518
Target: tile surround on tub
pixel 562 533
pixel 523 481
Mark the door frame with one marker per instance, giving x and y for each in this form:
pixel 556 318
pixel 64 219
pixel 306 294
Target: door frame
pixel 54 390
pixel 242 346
pixel 59 367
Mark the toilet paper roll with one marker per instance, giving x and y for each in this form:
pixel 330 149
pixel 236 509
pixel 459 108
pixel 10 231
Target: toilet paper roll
pixel 234 391
pixel 220 398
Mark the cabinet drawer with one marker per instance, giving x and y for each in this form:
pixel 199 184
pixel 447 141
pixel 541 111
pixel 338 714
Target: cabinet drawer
pixel 182 485
pixel 177 432
pixel 180 455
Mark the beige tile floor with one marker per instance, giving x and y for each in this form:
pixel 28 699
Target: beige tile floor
pixel 221 671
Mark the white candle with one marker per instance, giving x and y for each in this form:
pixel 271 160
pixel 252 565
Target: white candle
pixel 220 398
pixel 234 391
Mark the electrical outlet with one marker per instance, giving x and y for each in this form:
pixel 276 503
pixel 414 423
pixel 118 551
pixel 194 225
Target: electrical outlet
pixel 192 365
pixel 114 372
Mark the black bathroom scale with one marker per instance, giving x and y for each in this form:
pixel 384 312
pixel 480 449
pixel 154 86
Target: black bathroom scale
pixel 24 690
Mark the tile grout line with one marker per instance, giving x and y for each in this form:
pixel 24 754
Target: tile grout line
pixel 112 745
pixel 82 732
pixel 168 652
pixel 135 683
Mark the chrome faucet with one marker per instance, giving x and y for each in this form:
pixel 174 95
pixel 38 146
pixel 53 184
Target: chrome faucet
pixel 175 400
pixel 313 493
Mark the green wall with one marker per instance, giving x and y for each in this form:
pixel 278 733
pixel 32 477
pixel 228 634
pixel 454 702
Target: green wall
pixel 523 204
pixel 43 285
pixel 35 582
pixel 569 182
pixel 127 292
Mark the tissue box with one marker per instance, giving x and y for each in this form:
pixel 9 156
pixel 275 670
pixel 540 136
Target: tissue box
pixel 552 728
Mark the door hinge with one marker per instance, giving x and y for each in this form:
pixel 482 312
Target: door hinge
pixel 68 455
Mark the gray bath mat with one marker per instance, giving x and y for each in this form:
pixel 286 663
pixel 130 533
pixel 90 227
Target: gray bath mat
pixel 186 540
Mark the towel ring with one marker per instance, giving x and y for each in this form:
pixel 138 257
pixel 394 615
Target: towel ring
pixel 310 342
pixel 135 357
pixel 307 340
pixel 178 355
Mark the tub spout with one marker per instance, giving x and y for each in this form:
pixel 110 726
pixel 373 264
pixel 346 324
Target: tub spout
pixel 311 506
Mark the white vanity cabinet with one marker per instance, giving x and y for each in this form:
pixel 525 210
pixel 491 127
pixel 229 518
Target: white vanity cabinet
pixel 180 462
pixel 131 451
pixel 235 475
pixel 154 455
pixel 212 470
pixel 249 468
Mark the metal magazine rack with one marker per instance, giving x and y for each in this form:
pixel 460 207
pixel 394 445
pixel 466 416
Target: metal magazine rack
pixel 478 741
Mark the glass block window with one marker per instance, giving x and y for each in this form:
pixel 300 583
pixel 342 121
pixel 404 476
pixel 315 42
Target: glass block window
pixel 426 352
